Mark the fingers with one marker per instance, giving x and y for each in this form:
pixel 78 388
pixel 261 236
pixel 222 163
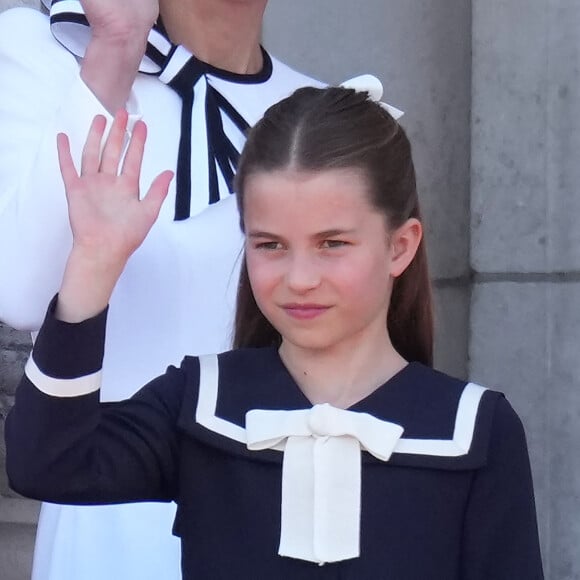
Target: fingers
pixel 93 159
pixel 65 161
pixel 134 156
pixel 91 155
pixel 158 192
pixel 93 162
pixel 111 156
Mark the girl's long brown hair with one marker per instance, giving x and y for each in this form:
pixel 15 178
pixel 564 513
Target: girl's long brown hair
pixel 319 129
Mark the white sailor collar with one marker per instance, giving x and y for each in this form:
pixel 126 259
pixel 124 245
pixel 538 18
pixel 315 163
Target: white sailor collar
pixel 446 421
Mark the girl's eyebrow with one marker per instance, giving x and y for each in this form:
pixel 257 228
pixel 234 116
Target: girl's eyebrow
pixel 334 232
pixel 260 234
pixel 324 234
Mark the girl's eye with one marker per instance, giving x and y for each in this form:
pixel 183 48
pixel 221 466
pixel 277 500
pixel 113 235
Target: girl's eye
pixel 268 246
pixel 333 243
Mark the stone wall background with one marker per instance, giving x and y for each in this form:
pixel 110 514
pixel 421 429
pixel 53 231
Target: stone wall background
pixel 491 94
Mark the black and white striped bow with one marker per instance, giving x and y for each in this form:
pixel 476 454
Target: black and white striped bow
pixel 180 70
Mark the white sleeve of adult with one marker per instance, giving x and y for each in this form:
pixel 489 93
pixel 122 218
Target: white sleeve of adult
pixel 41 94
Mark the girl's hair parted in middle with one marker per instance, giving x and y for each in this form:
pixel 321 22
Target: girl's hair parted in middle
pixel 336 128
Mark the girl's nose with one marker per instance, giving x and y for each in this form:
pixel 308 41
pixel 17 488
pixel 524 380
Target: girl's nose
pixel 303 274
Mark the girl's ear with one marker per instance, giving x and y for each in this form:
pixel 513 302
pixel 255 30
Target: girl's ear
pixel 404 243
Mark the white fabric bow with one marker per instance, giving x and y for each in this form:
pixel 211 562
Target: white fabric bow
pixel 373 86
pixel 321 474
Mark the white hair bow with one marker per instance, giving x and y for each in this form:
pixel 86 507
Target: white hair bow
pixel 373 86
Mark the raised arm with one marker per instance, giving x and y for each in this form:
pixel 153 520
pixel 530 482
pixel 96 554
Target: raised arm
pixel 108 219
pixel 118 39
pixel 62 446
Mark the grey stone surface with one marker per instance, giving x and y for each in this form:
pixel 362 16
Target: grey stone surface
pixel 508 339
pixel 563 136
pixel 525 135
pixel 563 408
pixel 14 349
pixel 421 51
pixel 508 186
pixel 16 544
pixel 17 532
pixel 19 511
pixel 525 182
pixel 5 403
pixel 507 352
pixel 451 328
pixel 525 340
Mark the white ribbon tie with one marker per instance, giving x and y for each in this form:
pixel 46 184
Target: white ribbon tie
pixel 321 474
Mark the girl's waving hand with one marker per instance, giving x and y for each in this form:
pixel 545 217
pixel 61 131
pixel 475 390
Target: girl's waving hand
pixel 108 219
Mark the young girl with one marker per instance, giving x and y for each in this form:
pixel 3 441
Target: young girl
pixel 325 445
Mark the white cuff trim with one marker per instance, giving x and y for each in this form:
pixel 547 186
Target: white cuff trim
pixel 62 387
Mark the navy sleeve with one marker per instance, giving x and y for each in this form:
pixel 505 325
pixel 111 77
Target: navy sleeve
pixel 500 540
pixel 75 450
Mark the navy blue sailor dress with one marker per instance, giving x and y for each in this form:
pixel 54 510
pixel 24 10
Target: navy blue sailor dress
pixel 451 498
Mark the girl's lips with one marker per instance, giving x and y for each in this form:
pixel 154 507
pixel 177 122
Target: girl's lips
pixel 304 311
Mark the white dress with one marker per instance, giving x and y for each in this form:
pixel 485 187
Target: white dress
pixel 176 295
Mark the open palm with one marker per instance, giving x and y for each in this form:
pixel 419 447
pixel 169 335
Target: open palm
pixel 108 219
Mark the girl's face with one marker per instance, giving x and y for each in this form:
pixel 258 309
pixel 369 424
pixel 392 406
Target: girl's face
pixel 320 258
